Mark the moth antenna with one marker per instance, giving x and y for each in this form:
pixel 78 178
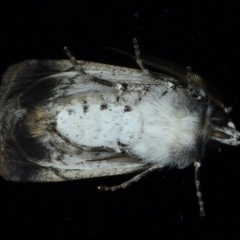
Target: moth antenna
pixel 197 166
pixel 129 182
pixel 73 61
pixel 138 59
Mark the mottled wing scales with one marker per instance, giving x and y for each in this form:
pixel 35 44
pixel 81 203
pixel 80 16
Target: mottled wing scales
pixel 26 88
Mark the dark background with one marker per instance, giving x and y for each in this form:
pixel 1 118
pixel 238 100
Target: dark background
pixel 164 204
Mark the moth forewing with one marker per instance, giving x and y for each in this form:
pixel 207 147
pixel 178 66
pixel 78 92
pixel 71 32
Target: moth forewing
pixel 64 120
pixel 29 139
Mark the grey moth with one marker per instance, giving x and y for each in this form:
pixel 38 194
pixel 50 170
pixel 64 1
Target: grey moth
pixel 66 120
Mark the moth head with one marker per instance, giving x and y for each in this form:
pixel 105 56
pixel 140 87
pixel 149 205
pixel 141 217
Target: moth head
pixel 223 129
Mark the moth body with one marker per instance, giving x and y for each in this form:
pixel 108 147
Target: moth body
pixel 155 128
pixel 65 120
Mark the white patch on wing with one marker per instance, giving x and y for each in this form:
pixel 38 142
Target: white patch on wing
pixel 96 127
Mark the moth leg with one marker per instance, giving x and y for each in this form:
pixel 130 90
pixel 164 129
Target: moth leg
pixel 121 87
pixel 73 61
pixel 129 182
pixel 197 165
pixel 138 59
pixel 88 77
pixel 200 95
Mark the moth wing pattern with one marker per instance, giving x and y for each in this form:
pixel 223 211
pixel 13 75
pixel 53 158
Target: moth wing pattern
pixel 25 87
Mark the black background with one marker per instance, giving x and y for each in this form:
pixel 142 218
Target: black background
pixel 202 34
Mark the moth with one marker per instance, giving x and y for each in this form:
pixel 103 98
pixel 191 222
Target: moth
pixel 65 120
